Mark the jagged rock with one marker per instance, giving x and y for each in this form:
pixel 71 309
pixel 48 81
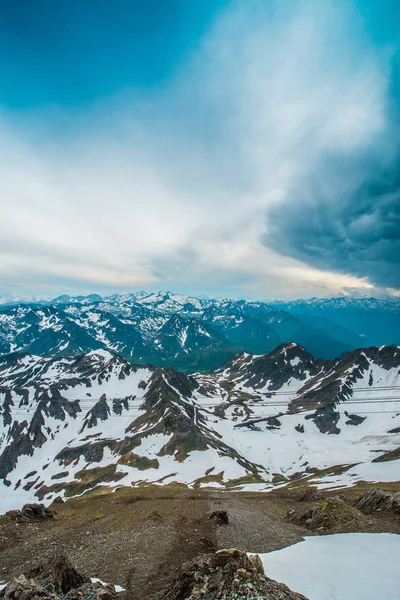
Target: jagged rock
pixel 310 495
pixel 92 591
pixel 326 418
pixel 58 575
pixel 327 514
pixel 30 512
pixel 220 517
pixel 229 574
pixel 354 419
pixel 56 580
pixel 21 588
pixel 376 500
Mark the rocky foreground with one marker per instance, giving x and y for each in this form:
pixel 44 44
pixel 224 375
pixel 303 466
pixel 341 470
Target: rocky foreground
pixel 229 574
pixel 140 538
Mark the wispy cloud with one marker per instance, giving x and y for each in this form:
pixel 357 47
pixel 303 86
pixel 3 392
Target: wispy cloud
pixel 239 176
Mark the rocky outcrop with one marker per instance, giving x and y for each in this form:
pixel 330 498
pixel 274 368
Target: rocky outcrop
pixel 228 574
pixel 377 500
pixel 326 515
pixel 58 575
pixel 311 494
pixel 56 580
pixel 30 512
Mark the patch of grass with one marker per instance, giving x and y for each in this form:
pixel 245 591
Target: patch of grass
pixel 142 463
pixel 246 479
pixel 180 446
pixel 164 478
pixel 44 490
pixel 217 478
pixel 316 474
pixel 278 478
pixel 97 475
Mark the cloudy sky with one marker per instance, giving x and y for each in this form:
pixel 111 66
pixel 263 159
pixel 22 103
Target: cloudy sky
pixel 225 147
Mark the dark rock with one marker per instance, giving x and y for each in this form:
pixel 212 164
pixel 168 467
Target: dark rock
pixel 30 512
pixel 21 588
pixel 326 418
pixel 58 575
pixel 376 500
pixel 100 411
pixel 354 419
pixel 310 495
pixel 395 430
pixel 388 456
pixel 92 591
pixel 56 580
pixel 220 517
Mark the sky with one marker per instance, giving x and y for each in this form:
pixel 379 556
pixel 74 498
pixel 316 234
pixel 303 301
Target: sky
pixel 243 148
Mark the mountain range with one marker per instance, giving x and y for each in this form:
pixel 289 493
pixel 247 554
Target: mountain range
pixel 192 334
pixel 81 423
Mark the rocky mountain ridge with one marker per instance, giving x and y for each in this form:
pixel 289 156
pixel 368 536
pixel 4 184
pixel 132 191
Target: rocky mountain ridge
pixel 192 334
pixel 78 423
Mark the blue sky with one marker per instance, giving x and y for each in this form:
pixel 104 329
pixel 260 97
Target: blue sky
pixel 72 53
pixel 222 147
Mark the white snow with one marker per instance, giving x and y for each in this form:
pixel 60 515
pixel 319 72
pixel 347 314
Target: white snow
pixel 118 588
pixel 345 566
pixel 276 448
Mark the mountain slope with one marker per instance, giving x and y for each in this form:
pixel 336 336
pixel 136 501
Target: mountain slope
pixel 73 424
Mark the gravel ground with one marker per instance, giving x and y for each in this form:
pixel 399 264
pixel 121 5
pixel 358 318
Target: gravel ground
pixel 140 537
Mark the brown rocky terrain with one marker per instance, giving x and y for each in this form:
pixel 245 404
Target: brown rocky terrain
pixel 140 537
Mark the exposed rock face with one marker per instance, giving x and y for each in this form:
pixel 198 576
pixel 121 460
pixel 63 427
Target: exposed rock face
pixel 310 495
pixel 58 575
pixel 375 500
pixel 56 580
pixel 228 574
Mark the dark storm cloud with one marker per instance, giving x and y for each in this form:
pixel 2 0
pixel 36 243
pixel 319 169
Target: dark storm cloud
pixel 356 232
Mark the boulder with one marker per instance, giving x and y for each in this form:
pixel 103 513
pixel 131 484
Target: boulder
pixel 228 574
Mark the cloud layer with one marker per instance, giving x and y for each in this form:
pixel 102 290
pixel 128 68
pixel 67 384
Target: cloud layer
pixel 265 167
